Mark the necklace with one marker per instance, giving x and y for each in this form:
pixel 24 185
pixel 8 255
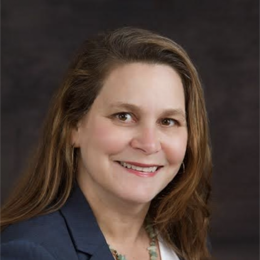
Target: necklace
pixel 152 249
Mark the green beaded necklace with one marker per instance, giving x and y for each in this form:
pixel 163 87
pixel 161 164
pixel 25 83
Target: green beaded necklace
pixel 152 249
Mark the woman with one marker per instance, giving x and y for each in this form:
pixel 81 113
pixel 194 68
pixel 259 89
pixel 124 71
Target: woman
pixel 123 167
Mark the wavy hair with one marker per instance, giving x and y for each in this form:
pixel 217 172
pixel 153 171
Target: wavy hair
pixel 180 212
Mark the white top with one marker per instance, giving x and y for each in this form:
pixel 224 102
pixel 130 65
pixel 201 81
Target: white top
pixel 167 253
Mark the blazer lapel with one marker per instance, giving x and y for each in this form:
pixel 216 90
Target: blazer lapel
pixel 83 227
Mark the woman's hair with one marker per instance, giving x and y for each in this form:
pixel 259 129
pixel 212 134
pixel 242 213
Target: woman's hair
pixel 180 212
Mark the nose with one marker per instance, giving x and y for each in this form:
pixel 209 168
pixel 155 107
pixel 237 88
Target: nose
pixel 147 141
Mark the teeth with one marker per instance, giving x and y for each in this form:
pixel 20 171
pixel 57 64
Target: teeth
pixel 137 168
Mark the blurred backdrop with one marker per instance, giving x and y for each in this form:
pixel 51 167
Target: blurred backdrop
pixel 39 39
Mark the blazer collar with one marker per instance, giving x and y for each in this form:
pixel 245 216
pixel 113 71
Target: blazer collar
pixel 83 226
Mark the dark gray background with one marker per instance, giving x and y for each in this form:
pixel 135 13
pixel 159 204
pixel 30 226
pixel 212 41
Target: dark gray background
pixel 40 37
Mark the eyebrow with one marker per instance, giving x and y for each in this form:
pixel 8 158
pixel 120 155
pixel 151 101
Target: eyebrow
pixel 132 107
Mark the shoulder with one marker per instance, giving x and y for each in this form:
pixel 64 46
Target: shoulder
pixel 22 249
pixel 42 237
pixel 37 229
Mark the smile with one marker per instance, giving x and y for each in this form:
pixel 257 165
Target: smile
pixel 139 170
pixel 142 169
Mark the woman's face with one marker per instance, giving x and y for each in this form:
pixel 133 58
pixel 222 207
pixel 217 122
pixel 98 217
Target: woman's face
pixel 133 140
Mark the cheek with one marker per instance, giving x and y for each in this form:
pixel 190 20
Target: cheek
pixel 106 137
pixel 175 149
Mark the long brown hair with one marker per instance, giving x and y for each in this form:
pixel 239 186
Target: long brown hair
pixel 180 212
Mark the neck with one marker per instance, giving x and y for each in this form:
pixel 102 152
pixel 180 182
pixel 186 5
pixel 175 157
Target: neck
pixel 118 219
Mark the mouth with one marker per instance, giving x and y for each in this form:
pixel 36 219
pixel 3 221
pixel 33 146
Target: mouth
pixel 142 170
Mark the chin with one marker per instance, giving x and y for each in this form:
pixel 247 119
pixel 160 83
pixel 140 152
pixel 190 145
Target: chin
pixel 138 197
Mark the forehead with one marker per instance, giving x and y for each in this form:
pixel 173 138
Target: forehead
pixel 145 85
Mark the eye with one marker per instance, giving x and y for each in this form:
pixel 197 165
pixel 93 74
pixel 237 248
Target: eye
pixel 124 117
pixel 169 122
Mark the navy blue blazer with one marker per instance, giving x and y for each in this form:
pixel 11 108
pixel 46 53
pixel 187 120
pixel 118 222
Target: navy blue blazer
pixel 71 233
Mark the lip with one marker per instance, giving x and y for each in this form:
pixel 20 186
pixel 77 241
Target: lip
pixel 142 164
pixel 138 173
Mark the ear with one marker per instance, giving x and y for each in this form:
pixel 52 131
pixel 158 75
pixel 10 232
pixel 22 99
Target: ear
pixel 75 137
